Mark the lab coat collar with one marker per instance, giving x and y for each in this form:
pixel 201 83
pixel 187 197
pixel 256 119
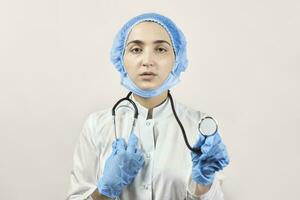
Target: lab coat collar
pixel 161 111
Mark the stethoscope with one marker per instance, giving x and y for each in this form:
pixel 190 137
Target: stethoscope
pixel 207 125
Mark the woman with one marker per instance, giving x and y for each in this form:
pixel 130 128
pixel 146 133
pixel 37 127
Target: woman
pixel 154 163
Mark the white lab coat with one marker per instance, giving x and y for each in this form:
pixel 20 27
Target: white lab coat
pixel 166 174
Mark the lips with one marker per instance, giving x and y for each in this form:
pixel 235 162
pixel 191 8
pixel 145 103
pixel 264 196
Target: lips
pixel 147 74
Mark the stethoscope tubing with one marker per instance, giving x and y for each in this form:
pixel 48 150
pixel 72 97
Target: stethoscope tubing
pixel 136 113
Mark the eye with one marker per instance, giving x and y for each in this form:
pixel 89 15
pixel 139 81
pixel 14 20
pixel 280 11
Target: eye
pixel 161 50
pixel 136 50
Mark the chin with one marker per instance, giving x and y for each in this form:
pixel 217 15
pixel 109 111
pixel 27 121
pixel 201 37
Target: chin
pixel 147 86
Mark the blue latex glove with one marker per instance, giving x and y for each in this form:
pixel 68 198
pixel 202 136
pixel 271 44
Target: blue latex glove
pixel 120 167
pixel 214 157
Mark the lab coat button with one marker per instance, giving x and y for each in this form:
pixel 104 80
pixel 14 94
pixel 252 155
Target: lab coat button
pixel 148 123
pixel 148 155
pixel 147 187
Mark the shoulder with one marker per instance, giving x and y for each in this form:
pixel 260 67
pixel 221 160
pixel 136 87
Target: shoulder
pixel 99 116
pixel 94 123
pixel 188 112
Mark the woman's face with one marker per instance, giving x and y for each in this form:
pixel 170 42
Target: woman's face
pixel 148 56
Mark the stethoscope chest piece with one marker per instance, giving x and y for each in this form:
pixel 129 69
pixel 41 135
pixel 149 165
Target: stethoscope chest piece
pixel 208 126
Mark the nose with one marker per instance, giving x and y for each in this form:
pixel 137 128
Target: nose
pixel 147 59
pixel 147 65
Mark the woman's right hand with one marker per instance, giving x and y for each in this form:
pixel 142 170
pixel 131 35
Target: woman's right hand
pixel 120 167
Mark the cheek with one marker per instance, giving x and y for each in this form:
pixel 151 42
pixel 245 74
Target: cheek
pixel 131 67
pixel 128 63
pixel 164 72
pixel 167 66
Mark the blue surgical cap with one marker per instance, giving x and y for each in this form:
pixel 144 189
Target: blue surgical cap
pixel 179 46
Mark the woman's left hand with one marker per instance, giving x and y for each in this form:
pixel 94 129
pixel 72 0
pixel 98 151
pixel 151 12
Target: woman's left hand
pixel 213 157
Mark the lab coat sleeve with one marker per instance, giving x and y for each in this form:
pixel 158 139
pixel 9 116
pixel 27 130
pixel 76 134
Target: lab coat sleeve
pixel 215 192
pixel 83 174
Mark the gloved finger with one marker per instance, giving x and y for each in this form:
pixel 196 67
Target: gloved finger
pixel 209 168
pixel 217 165
pixel 132 143
pixel 114 144
pixel 139 154
pixel 215 153
pixel 198 144
pixel 221 159
pixel 222 162
pixel 200 141
pixel 215 150
pixel 194 156
pixel 225 161
pixel 142 162
pixel 210 141
pixel 211 165
pixel 120 145
pixel 141 159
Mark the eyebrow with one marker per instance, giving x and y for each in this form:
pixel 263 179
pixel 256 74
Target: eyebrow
pixel 155 42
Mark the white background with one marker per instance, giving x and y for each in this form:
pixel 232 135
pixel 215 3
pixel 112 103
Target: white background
pixel 243 69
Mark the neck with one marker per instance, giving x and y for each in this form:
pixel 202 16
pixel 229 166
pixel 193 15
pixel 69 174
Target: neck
pixel 151 102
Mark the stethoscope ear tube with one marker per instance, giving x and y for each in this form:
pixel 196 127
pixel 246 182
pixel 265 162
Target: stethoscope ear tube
pixel 136 112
